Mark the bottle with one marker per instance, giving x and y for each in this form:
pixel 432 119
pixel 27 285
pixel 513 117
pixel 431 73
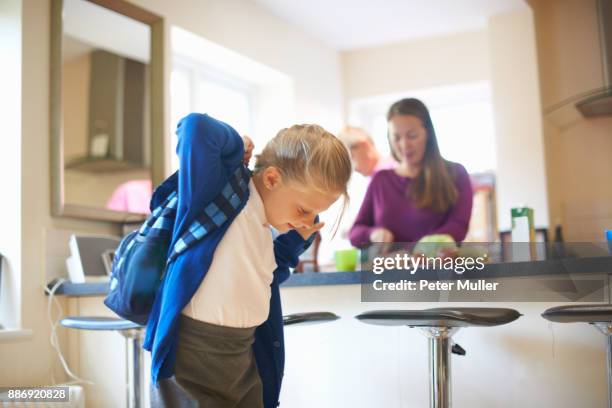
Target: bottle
pixel 558 246
pixel 558 233
pixel 523 229
pixel 523 234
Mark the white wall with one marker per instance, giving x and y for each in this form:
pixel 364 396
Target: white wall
pixel 521 175
pixel 10 160
pixel 423 63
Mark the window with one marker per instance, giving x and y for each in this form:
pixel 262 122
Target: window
pixel 197 88
pixel 462 118
pixel 207 77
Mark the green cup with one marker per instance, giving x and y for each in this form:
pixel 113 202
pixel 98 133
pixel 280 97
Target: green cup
pixel 346 259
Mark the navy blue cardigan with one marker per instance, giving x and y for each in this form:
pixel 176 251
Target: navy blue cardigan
pixel 209 151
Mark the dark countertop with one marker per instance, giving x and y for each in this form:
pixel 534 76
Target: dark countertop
pixel 296 279
pixel 595 262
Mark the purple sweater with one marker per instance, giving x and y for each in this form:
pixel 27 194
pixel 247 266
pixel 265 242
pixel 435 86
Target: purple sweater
pixel 387 205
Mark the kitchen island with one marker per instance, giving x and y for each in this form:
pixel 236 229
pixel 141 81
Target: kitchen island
pixel 577 260
pixel 528 363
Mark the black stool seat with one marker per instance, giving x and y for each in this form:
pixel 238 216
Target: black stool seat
pixel 441 317
pixel 98 323
pixel 579 314
pixel 309 318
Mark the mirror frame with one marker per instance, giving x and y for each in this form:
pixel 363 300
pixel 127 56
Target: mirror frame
pixel 59 207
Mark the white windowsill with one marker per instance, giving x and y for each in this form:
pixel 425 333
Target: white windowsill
pixel 14 335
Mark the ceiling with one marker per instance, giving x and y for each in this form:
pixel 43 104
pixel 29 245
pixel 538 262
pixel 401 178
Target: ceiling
pixel 354 24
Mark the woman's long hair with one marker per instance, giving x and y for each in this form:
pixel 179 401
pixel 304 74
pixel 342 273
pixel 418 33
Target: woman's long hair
pixel 434 186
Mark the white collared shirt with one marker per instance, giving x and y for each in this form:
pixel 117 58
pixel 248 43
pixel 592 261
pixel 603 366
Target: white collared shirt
pixel 236 289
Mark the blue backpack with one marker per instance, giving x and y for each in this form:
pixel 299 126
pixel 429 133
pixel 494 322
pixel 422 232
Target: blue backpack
pixel 143 255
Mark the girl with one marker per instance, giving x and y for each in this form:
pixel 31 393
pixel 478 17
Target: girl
pixel 217 321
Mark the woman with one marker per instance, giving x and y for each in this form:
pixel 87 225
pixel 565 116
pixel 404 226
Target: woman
pixel 423 195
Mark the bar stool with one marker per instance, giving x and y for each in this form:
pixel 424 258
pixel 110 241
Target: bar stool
pixel 600 316
pixel 309 318
pixel 133 334
pixel 439 325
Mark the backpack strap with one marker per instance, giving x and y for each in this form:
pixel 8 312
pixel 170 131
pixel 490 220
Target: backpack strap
pixel 161 220
pixel 216 213
pixel 163 191
pixel 158 224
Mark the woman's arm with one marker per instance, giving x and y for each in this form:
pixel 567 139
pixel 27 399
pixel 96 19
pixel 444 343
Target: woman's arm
pixel 458 221
pixel 208 150
pixel 359 235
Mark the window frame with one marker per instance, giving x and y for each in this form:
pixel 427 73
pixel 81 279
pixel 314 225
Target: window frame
pixel 196 71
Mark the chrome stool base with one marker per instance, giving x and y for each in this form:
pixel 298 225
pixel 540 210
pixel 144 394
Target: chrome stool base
pixel 440 385
pixel 133 334
pixel 439 325
pixel 598 315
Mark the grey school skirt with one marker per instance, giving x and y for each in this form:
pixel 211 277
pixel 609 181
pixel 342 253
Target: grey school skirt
pixel 215 368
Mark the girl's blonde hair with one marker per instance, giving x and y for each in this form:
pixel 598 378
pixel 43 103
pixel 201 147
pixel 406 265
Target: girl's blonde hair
pixel 311 156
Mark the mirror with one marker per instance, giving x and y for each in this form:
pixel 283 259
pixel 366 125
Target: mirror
pixel 106 109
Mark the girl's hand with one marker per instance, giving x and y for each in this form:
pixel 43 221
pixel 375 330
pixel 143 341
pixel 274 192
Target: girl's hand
pixel 307 231
pixel 248 149
pixel 381 235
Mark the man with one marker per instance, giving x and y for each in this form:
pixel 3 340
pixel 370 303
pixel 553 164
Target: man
pixel 366 161
pixel 364 155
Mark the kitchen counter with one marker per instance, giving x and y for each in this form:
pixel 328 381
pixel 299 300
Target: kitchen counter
pixel 528 363
pixel 585 259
